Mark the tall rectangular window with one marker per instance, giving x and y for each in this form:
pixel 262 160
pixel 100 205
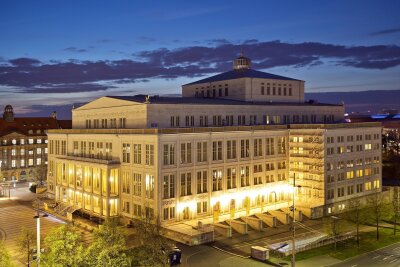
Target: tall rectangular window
pixel 282 145
pixel 186 153
pixel 258 147
pixel 244 148
pixel 231 149
pixel 149 155
pixel 231 178
pixel 126 182
pixel 169 186
pixel 137 184
pixel 149 186
pixel 269 146
pixel 244 176
pixel 217 150
pixel 169 154
pixel 202 152
pixel 201 182
pixel 186 184
pixel 137 153
pixel 217 180
pixel 126 153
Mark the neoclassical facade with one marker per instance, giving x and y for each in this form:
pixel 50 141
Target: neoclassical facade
pixel 208 157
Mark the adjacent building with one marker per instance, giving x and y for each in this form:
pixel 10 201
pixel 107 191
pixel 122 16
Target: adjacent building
pixel 232 146
pixel 23 143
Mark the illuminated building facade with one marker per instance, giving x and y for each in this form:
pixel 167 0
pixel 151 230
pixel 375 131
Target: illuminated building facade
pixel 207 157
pixel 23 143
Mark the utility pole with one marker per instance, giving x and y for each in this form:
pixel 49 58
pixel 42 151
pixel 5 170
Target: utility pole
pixel 293 225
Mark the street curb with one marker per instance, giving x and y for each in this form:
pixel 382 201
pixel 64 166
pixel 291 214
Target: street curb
pixel 237 255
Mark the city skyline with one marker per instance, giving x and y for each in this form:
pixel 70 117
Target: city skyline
pixel 65 54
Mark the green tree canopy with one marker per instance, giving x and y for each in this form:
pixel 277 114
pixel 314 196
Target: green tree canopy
pixel 5 258
pixel 63 247
pixel 108 247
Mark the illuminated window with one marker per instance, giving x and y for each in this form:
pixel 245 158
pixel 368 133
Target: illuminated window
pixel 149 186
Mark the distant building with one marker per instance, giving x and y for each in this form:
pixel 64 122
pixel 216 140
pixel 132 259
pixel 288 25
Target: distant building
pixel 231 147
pixel 23 143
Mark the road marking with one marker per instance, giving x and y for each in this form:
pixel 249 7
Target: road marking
pixel 376 257
pixel 354 265
pixel 393 260
pixel 396 248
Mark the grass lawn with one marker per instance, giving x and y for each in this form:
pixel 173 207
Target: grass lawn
pixel 349 248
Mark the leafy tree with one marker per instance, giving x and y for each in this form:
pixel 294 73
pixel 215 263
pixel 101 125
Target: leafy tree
pixel 376 208
pixel 108 247
pixel 26 241
pixel 334 226
pixel 355 215
pixel 5 258
pixel 154 247
pixel 63 247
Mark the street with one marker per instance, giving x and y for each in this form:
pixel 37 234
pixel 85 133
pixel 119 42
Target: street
pixel 388 257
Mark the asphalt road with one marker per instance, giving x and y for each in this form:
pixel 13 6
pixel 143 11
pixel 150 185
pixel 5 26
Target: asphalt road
pixel 387 257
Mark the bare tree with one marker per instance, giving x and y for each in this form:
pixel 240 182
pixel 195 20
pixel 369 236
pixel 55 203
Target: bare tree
pixel 41 174
pixel 396 207
pixel 355 215
pixel 26 240
pixel 376 208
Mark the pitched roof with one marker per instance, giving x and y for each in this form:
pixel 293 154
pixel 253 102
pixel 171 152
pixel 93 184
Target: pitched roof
pixel 24 124
pixel 242 73
pixel 210 101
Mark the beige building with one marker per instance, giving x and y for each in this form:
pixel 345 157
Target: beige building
pixel 204 159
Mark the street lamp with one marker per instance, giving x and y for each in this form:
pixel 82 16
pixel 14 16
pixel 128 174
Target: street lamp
pixel 293 222
pixel 37 217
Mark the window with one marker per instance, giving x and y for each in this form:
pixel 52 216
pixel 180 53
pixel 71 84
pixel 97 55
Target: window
pixel 217 150
pixel 22 163
pixel 350 189
pixel 368 186
pixel 126 206
pixel 269 166
pixel 244 176
pixel 186 153
pixel 108 150
pixel 169 154
pixel 376 184
pixel 149 186
pixel 149 155
pixel 340 192
pixel 330 194
pixel 126 183
pixel 169 186
pixel 137 153
pixel 231 149
pixel 241 120
pixel 282 145
pixel 30 162
pixel 169 213
pixel 216 180
pixel 202 152
pixel 175 121
pixel 330 178
pixel 137 210
pixel 202 207
pixel 359 188
pixel 231 178
pixel 201 182
pixel 350 175
pixel 126 153
pixel 269 146
pixel 244 148
pixel 257 147
pixel 137 184
pixel 257 174
pixel 186 184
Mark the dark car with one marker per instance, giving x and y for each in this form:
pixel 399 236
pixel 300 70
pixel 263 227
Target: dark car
pixel 174 256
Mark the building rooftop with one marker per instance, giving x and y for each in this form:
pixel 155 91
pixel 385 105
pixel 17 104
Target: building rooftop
pixel 242 73
pixel 211 101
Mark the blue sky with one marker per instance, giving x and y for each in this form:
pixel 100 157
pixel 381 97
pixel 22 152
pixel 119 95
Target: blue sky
pixel 63 52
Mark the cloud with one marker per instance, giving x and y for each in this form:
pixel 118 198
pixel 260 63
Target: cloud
pixel 74 75
pixel 75 49
pixel 387 31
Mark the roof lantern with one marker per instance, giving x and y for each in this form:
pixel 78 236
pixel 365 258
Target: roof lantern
pixel 242 63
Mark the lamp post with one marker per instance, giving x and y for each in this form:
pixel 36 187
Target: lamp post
pixel 37 217
pixel 294 223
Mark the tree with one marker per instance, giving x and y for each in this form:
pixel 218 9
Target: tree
pixel 108 247
pixel 154 247
pixel 396 207
pixel 5 258
pixel 376 208
pixel 25 242
pixel 41 174
pixel 333 226
pixel 63 247
pixel 355 215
